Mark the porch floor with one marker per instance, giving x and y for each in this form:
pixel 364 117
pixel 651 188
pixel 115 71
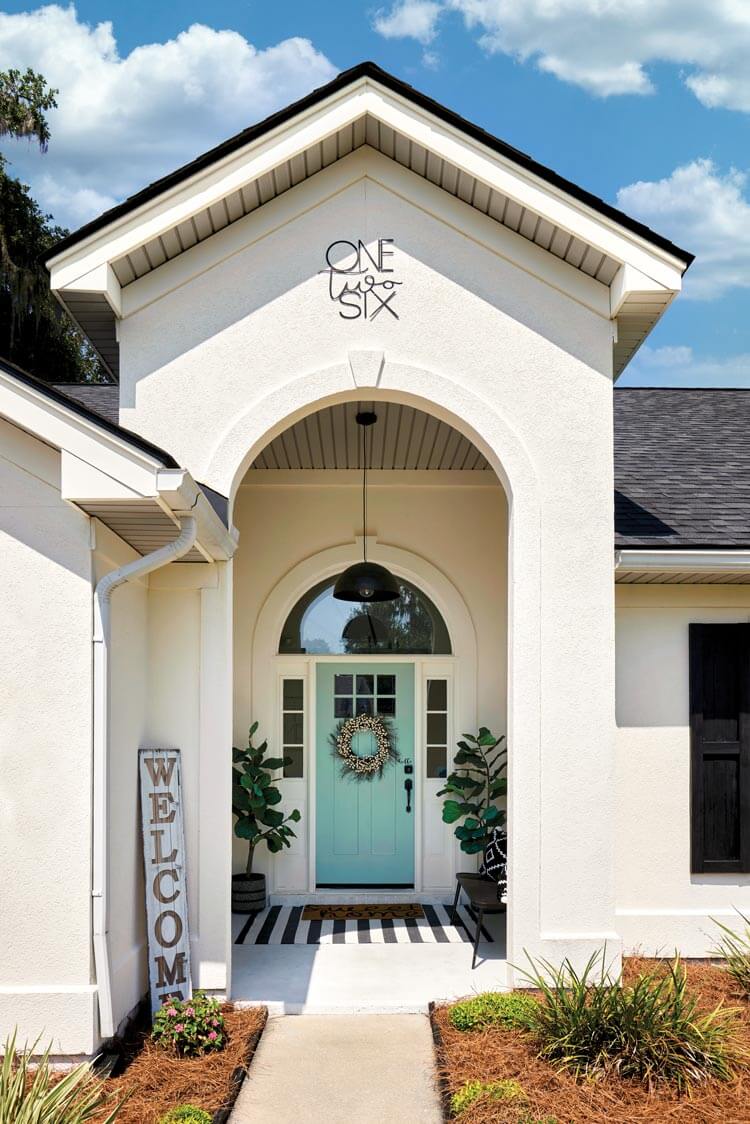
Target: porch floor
pixel 383 976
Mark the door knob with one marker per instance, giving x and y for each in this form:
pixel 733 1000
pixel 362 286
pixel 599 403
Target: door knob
pixel 408 785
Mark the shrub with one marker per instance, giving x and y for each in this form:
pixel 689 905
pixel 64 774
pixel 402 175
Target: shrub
pixel 511 1009
pixel 191 1026
pixel 508 1091
pixel 651 1031
pixel 186 1114
pixel 33 1096
pixel 734 949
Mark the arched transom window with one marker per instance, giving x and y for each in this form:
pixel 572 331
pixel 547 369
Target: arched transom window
pixel 320 625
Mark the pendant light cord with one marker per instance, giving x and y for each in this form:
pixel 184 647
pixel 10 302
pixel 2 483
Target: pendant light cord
pixel 364 491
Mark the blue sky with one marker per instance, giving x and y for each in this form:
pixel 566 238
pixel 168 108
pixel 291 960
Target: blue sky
pixel 644 102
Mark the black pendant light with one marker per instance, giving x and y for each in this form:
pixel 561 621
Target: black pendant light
pixel 366 581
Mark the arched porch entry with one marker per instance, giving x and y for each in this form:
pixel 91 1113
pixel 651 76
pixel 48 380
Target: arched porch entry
pixel 489 433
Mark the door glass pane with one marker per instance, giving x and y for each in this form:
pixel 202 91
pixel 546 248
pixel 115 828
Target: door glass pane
pixel 365 684
pixel 343 684
pixel 387 707
pixel 293 729
pixel 437 729
pixel 437 694
pixel 386 684
pixel 364 706
pixel 294 767
pixel 293 694
pixel 436 761
pixel 343 708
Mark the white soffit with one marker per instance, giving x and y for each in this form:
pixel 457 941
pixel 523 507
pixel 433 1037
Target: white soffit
pixel 402 439
pixel 364 114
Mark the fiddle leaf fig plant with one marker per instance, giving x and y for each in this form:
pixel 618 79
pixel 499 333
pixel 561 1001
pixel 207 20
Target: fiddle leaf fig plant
pixel 478 781
pixel 254 800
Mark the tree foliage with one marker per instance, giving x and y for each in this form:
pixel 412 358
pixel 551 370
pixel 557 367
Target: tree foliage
pixel 35 332
pixel 477 782
pixel 254 799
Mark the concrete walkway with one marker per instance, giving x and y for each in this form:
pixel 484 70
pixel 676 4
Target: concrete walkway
pixel 337 1069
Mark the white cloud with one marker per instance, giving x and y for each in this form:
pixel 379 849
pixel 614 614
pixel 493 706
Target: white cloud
pixel 606 46
pixel 409 19
pixel 680 366
pixel 123 121
pixel 705 211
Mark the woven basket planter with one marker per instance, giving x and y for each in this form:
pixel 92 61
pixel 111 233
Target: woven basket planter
pixel 248 893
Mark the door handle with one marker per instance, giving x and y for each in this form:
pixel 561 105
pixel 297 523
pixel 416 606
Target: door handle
pixel 408 785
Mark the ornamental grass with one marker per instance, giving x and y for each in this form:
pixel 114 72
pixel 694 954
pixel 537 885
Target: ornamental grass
pixel 495 1052
pixel 734 950
pixel 651 1030
pixel 31 1092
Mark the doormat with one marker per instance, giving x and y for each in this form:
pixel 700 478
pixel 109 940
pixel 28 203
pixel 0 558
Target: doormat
pixel 284 924
pixel 363 911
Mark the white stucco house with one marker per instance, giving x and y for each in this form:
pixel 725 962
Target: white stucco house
pixel 581 554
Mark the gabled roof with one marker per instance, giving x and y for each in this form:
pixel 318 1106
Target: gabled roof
pixel 346 78
pixel 602 257
pixel 682 467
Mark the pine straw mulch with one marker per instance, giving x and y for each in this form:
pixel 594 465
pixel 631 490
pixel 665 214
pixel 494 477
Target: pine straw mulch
pixel 494 1053
pixel 158 1079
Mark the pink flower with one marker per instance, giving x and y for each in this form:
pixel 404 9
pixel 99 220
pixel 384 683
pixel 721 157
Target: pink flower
pixel 171 1011
pixel 214 1022
pixel 212 1036
pixel 189 1012
pixel 179 1027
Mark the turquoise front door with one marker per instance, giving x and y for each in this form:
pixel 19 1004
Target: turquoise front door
pixel 365 828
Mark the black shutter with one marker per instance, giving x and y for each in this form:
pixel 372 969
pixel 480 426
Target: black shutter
pixel 720 747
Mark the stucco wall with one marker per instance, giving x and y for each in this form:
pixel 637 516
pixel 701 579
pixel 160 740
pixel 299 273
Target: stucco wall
pixel 215 363
pixel 45 751
pixel 660 903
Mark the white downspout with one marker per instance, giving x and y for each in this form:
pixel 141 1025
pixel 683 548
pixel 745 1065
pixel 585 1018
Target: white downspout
pixel 101 636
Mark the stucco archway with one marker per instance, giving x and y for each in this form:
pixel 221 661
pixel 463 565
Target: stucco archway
pixel 478 420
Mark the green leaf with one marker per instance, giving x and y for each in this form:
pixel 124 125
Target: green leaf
pixel 498 787
pixel 471 847
pixel 295 816
pixel 451 811
pixel 253 728
pixel 274 844
pixel 275 762
pixel 492 814
pixel 467 757
pixel 240 798
pixel 264 779
pixel 246 828
pixel 270 817
pixel 272 795
pixel 464 782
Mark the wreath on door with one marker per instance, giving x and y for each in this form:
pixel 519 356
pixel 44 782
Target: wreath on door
pixel 364 768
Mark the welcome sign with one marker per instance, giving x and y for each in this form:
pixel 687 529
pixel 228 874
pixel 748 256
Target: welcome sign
pixel 164 866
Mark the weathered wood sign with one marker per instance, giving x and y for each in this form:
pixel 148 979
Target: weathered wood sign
pixel 164 865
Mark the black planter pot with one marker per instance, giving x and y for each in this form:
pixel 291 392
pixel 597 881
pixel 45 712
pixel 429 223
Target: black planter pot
pixel 248 893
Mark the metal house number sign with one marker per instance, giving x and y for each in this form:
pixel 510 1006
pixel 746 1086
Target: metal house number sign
pixel 359 278
pixel 164 868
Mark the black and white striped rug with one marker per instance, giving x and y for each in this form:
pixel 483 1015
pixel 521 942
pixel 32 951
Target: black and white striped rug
pixel 284 925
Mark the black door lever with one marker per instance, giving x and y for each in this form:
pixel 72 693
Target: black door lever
pixel 408 785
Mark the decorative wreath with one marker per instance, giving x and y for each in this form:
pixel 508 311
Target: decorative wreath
pixel 364 768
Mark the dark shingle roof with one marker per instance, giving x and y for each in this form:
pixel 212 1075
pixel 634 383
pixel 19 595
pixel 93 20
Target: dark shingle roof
pixel 682 467
pixel 102 398
pixel 340 82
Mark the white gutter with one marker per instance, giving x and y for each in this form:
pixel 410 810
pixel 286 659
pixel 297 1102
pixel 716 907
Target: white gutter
pixel 101 637
pixel 683 561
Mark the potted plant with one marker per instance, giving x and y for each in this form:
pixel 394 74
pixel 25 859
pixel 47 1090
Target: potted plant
pixel 474 786
pixel 254 797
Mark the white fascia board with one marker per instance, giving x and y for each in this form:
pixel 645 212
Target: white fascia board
pixel 208 186
pixel 683 561
pixel 525 188
pixel 629 283
pixel 64 429
pixel 102 280
pixel 365 97
pixel 351 169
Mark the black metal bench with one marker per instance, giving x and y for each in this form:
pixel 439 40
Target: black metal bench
pixel 482 894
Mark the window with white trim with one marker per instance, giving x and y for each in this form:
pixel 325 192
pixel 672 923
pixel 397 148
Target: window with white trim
pixel 293 726
pixel 436 728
